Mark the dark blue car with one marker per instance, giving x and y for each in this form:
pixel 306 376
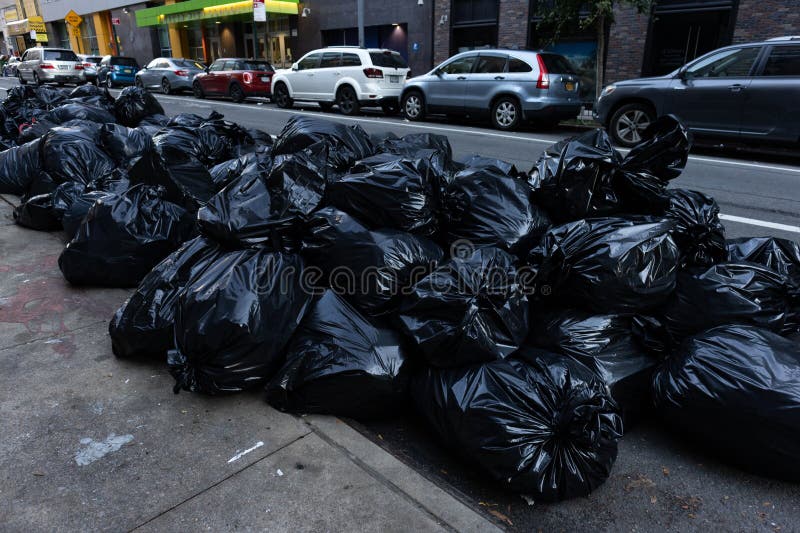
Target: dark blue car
pixel 116 70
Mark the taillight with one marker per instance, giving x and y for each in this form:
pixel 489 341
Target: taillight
pixel 544 78
pixel 47 65
pixel 78 67
pixel 373 73
pixel 182 72
pixel 247 77
pixel 88 65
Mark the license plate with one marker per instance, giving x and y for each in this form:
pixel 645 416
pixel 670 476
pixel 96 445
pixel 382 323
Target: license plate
pixel 127 71
pixel 569 86
pixel 64 67
pixel 394 79
pixel 265 79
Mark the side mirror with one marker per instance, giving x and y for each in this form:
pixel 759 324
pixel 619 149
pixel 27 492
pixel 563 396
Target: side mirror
pixel 205 70
pixel 438 72
pixel 294 67
pixel 682 74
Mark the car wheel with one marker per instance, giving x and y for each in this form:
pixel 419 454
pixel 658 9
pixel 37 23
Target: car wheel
pixel 36 79
pixel 391 108
pixel 506 113
pixel 109 82
pixel 197 90
pixel 282 98
pixel 236 93
pixel 348 101
pixel 413 106
pixel 166 88
pixel 629 122
pixel 138 83
pixel 325 106
pixel 21 79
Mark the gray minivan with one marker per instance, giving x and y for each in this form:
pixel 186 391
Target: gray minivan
pixel 43 65
pixel 508 86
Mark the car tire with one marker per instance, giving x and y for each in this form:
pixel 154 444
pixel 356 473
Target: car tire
pixel 326 107
pixel 281 96
pixel 413 106
pixel 36 79
pixel 22 80
pixel 628 122
pixel 166 88
pixel 347 100
pixel 391 108
pixel 197 90
pixel 109 82
pixel 139 84
pixel 506 113
pixel 236 93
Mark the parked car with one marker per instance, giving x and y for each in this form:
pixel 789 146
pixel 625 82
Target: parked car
pixel 507 86
pixel 116 70
pixel 45 65
pixel 746 92
pixel 237 78
pixel 90 65
pixel 10 68
pixel 347 76
pixel 170 74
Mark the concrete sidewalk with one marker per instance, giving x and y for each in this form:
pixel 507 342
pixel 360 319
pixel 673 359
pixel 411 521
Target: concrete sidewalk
pixel 94 443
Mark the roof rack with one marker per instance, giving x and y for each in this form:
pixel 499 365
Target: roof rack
pixel 346 46
pixel 785 38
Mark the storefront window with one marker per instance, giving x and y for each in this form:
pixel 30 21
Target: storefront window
pixel 195 39
pixel 474 25
pixel 88 36
pixel 165 49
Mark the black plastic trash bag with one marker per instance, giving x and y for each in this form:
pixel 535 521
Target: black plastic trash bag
pixel 663 151
pixel 607 265
pixel 468 310
pixel 735 390
pixel 732 293
pixel 143 326
pixel 479 161
pixel 537 423
pixel 229 171
pixel 347 144
pixel 79 111
pixel 697 230
pixel 396 194
pixel 607 345
pixel 134 104
pixel 234 319
pixel 339 363
pixel 298 182
pixel 484 207
pixel 72 153
pixel 125 145
pixel 574 179
pixel 34 130
pixel 372 269
pixel 780 255
pixel 123 237
pixel 19 167
pixel 435 149
pixel 37 213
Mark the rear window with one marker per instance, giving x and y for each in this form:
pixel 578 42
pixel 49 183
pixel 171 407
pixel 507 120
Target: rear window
pixel 260 66
pixel 558 64
pixel 388 59
pixel 783 61
pixel 95 60
pixel 123 61
pixel 60 55
pixel 187 63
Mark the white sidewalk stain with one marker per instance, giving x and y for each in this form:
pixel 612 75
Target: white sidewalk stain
pixel 95 450
pixel 239 455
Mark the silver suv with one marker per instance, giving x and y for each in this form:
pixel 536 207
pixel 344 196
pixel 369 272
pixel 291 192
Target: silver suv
pixel 44 65
pixel 508 86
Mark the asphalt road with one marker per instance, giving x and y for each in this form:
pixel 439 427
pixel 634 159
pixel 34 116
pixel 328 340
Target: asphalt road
pixel 659 482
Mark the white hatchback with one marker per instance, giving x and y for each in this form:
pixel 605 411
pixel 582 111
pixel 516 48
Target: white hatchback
pixel 349 77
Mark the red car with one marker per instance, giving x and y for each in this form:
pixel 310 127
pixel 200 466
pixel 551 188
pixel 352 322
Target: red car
pixel 235 77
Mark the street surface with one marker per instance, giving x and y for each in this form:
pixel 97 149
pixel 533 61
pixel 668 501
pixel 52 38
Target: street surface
pixel 659 482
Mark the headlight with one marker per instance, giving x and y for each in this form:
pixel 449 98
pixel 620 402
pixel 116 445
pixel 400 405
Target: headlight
pixel 608 90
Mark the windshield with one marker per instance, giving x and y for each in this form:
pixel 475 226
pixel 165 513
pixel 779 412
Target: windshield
pixel 188 63
pixel 557 64
pixel 388 59
pixel 260 66
pixel 124 61
pixel 60 55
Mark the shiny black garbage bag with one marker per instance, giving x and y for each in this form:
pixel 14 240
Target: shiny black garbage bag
pixel 19 167
pixel 134 104
pixel 537 423
pixel 607 345
pixel 234 319
pixel 731 293
pixel 143 326
pixel 607 265
pixel 37 213
pixel 79 110
pixel 664 149
pixel 735 390
pixel 697 230
pixel 347 144
pixel 435 149
pixel 73 153
pixel 125 145
pixel 479 161
pixel 397 194
pixel 372 269
pixel 298 182
pixel 485 207
pixel 339 363
pixel 123 237
pixel 228 171
pixel 780 255
pixel 468 310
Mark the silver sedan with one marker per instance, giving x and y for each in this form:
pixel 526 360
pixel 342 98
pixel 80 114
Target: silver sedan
pixel 169 74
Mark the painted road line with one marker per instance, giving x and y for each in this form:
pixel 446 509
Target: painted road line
pixel 762 223
pixel 759 166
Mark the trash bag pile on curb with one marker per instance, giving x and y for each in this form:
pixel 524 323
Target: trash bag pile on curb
pixel 528 318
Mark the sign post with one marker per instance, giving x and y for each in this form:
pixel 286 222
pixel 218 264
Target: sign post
pixel 259 15
pixel 74 20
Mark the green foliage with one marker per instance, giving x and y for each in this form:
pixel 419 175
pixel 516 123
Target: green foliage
pixel 561 16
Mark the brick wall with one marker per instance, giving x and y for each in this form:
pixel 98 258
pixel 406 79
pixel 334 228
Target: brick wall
pixel 626 44
pixel 512 30
pixel 762 19
pixel 441 32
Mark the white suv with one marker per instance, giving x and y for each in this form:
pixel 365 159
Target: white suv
pixel 350 77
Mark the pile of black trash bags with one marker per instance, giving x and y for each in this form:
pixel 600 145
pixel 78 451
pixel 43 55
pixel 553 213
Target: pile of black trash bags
pixel 528 318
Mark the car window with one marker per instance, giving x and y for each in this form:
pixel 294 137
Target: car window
pixel 123 61
pixel 783 61
pixel 736 62
pixel 388 59
pixel 490 64
pixel 260 66
pixel 95 60
pixel 331 59
pixel 60 55
pixel 311 61
pixel 557 63
pixel 163 64
pixel 153 64
pixel 518 65
pixel 459 66
pixel 351 60
pixel 24 56
pixel 188 63
pixel 229 66
pixel 216 66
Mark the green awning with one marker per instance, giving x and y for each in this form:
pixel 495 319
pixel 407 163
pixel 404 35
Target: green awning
pixel 207 9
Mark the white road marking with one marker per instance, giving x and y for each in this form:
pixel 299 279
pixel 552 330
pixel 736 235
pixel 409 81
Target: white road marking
pixel 239 455
pixel 762 223
pixel 743 164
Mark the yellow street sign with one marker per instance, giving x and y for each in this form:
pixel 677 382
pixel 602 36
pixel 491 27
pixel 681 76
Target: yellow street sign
pixel 73 19
pixel 36 24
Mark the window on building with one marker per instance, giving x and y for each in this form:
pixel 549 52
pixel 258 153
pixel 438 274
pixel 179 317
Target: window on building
pixel 490 64
pixel 59 36
pixel 731 63
pixel 164 46
pixel 89 36
pixel 783 61
pixel 474 25
pixel 194 36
